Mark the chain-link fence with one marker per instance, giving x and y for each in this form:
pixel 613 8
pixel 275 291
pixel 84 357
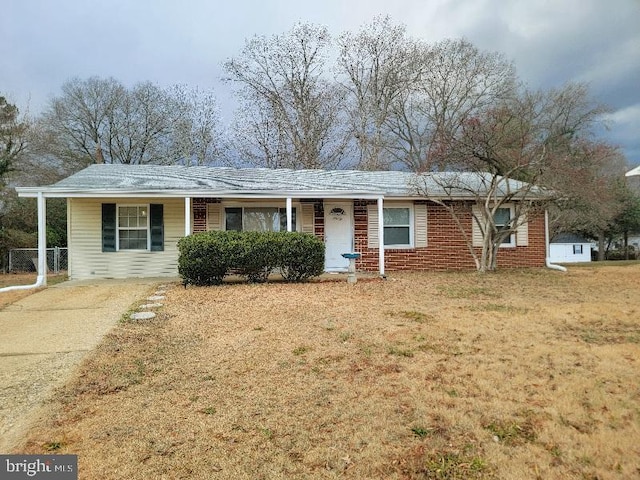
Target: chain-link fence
pixel 26 259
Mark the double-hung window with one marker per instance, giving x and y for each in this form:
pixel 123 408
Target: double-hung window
pixel 133 227
pixel 502 218
pixel 398 227
pixel 258 219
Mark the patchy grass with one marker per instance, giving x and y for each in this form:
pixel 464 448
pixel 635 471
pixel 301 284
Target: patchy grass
pixel 452 465
pixel 515 375
pixel 512 432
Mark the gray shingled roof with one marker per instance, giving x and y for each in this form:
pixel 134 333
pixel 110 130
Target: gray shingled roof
pixel 220 181
pixel 569 238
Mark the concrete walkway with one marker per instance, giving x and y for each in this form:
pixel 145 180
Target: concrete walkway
pixel 44 336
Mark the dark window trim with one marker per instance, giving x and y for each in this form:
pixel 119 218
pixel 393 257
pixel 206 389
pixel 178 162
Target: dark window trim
pixel 156 226
pixel 109 227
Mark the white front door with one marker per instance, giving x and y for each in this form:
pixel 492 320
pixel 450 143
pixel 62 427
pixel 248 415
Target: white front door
pixel 338 235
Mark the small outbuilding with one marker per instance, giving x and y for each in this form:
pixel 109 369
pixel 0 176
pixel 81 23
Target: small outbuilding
pixel 569 248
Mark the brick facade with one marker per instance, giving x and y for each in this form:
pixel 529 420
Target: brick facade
pixel 199 212
pixel 446 248
pixel 318 219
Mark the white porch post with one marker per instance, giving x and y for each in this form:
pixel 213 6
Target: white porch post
pixel 187 216
pixel 289 215
pixel 42 238
pixel 380 236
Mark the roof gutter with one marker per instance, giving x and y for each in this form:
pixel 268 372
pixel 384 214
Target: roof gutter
pixel 41 279
pixel 547 259
pixel 32 192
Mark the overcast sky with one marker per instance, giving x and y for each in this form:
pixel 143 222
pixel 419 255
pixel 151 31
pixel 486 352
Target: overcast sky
pixel 43 43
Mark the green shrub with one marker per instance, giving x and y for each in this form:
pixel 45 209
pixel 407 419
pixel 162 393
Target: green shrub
pixel 260 255
pixel 302 256
pixel 206 258
pixel 620 254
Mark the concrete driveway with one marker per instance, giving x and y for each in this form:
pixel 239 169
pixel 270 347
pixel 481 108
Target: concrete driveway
pixel 44 336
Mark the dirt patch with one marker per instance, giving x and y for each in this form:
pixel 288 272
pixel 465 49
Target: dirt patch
pixel 519 374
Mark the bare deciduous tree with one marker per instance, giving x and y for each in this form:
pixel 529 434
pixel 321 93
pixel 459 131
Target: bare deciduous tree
pixel 75 125
pixel 13 137
pixel 196 137
pixel 511 151
pixel 376 66
pixel 139 126
pixel 100 120
pixel 293 110
pixel 457 82
pixel 591 181
pixel 258 140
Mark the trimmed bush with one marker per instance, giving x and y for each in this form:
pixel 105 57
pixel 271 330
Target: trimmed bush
pixel 302 256
pixel 206 258
pixel 260 255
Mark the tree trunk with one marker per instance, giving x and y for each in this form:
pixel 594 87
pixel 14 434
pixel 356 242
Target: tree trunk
pixel 488 260
pixel 626 245
pixel 600 246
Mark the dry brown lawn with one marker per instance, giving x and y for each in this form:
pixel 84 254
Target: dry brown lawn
pixel 10 279
pixel 515 375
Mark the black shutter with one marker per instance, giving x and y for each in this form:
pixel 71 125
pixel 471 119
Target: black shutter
pixel 108 227
pixel 157 227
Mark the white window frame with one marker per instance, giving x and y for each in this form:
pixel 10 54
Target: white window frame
pixel 295 205
pixel 147 227
pixel 511 243
pixel 579 247
pixel 411 243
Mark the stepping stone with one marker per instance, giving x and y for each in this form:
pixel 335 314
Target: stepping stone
pixel 147 306
pixel 142 316
pixel 155 298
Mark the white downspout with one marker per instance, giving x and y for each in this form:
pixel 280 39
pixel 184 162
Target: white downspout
pixel 41 279
pixel 546 242
pixel 380 236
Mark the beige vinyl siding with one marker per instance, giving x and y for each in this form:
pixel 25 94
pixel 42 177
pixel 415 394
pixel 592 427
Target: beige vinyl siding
pixel 86 258
pixel 214 217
